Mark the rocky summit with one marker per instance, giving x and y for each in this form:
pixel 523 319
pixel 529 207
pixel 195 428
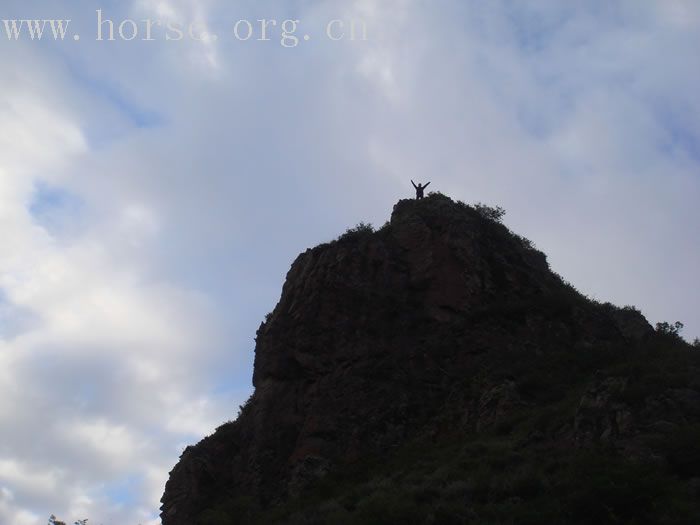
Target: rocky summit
pixel 436 371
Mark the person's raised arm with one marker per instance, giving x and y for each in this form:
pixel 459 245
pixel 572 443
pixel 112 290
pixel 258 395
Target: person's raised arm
pixel 426 185
pixel 414 184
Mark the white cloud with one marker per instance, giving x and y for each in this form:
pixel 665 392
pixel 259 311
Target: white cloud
pixel 85 386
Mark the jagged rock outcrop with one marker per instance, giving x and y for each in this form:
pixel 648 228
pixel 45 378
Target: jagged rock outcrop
pixel 441 323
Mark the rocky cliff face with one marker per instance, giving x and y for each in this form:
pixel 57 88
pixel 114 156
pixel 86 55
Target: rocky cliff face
pixel 441 326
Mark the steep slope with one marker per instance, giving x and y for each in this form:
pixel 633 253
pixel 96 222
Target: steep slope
pixel 442 332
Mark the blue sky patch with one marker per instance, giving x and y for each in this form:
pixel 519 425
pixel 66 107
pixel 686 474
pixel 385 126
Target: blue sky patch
pixel 55 209
pixel 126 491
pixel 139 116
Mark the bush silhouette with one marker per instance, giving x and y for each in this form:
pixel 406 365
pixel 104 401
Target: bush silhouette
pixel 361 229
pixel 489 212
pixel 671 330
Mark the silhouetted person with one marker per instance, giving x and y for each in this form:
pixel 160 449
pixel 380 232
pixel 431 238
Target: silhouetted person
pixel 419 189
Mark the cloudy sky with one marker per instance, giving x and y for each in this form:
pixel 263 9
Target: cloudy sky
pixel 154 193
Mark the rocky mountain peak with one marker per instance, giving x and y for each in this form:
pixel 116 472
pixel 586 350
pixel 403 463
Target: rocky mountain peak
pixel 442 326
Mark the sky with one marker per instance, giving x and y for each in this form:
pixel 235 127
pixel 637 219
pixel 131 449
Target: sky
pixel 153 194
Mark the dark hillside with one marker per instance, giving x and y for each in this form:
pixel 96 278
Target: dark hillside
pixel 437 371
